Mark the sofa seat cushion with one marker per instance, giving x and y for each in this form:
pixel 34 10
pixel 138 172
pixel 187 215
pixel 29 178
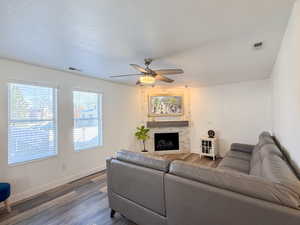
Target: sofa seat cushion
pixel 235 164
pixel 239 155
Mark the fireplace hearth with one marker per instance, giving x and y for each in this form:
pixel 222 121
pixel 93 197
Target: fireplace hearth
pixel 166 141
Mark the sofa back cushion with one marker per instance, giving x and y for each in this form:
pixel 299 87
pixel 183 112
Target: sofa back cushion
pixel 257 157
pixel 265 146
pixel 146 160
pixel 257 187
pixel 276 170
pixel 269 149
pixel 267 162
pixel 255 162
pixel 265 138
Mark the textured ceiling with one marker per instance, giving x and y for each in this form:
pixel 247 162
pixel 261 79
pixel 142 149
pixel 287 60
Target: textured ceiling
pixel 210 39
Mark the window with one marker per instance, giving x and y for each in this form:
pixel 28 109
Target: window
pixel 32 123
pixel 87 121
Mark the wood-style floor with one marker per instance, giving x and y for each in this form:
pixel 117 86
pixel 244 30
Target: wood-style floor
pixel 81 202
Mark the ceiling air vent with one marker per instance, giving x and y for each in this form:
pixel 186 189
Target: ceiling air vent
pixel 258 45
pixel 74 69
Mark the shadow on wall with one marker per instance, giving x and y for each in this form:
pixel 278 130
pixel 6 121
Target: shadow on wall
pixel 287 155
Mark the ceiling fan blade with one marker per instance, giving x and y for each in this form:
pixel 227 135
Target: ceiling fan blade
pixel 163 78
pixel 139 68
pixel 169 71
pixel 127 75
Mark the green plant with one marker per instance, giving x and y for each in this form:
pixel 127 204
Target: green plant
pixel 142 135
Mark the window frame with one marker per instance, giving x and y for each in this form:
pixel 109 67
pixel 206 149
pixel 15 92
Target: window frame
pixel 55 96
pixel 100 119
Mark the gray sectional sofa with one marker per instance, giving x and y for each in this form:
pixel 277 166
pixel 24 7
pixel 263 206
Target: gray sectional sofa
pixel 251 185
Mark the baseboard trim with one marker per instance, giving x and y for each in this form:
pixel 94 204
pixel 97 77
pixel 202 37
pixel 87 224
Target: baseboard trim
pixel 32 192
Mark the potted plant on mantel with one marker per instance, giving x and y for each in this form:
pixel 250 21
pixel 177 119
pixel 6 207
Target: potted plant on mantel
pixel 142 135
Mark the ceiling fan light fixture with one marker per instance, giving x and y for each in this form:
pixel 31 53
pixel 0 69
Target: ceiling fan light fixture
pixel 149 76
pixel 147 79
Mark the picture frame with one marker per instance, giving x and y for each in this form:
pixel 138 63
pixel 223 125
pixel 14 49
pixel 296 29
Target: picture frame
pixel 162 105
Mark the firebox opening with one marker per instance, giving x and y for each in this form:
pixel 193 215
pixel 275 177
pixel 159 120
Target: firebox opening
pixel 166 141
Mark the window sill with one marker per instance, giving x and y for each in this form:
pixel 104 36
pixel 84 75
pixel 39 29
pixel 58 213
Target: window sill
pixel 87 149
pixel 31 161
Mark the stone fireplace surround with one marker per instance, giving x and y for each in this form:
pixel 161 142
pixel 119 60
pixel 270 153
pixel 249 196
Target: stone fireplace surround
pixel 173 127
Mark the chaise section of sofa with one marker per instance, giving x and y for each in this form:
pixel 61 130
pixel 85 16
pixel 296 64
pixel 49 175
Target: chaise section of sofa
pixel 199 195
pixel 252 186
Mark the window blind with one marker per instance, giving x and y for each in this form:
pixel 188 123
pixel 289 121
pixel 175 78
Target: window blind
pixel 87 120
pixel 32 123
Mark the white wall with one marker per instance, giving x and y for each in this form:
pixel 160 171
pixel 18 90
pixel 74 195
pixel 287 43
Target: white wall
pixel 286 88
pixel 120 113
pixel 237 112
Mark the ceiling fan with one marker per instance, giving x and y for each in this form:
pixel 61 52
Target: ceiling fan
pixel 148 76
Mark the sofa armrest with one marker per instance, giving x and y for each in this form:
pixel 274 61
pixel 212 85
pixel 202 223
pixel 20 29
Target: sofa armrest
pixel 242 147
pixel 108 173
pixel 108 168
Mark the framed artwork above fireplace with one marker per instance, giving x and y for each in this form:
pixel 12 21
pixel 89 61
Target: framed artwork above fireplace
pixel 165 105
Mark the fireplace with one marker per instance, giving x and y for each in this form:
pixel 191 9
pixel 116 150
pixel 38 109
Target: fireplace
pixel 166 141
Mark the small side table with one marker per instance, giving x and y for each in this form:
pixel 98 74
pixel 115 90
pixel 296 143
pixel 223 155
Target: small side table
pixel 208 147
